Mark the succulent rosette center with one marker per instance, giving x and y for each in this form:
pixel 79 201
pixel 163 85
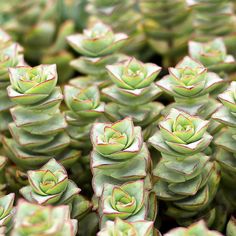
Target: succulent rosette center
pixel 125 201
pixel 122 201
pixel 211 51
pixel 37 80
pixel 184 133
pixel 48 183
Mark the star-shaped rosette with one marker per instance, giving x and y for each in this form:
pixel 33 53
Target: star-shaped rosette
pixel 97 41
pixel 30 85
pixel 33 219
pixel 133 82
pixel 50 185
pixel 122 227
pixel 117 141
pixel 189 80
pixel 181 133
pixel 84 102
pixel 226 114
pixel 127 201
pixel 213 55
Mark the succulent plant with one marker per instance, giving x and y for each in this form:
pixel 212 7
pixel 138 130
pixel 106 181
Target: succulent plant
pixel 213 55
pixel 98 45
pixel 122 227
pixel 119 154
pixel 38 127
pixel 50 185
pixel 29 22
pixel 196 229
pixel 133 93
pixel 128 201
pixel 225 140
pixel 186 179
pixel 33 219
pixel 84 108
pixel 190 84
pixel 167 24
pixel 129 22
pixel 10 55
pixel 6 212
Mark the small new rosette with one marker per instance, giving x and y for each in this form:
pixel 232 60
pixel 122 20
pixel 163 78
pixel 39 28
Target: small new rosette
pixel 84 108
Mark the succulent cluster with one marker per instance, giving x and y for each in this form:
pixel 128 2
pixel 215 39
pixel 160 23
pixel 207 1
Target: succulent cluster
pixel 136 136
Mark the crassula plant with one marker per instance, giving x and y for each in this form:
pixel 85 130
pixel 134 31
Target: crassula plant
pixel 38 129
pixel 186 179
pixel 190 84
pixel 122 227
pixel 133 93
pixel 128 201
pixel 98 45
pixel 84 108
pixel 119 154
pixel 50 185
pixel 213 55
pixel 33 219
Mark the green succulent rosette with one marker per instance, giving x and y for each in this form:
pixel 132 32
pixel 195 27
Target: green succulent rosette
pixel 97 41
pixel 33 219
pixel 122 227
pixel 6 212
pixel 10 55
pixel 133 92
pixel 129 21
pixel 190 84
pixel 231 227
pixel 213 55
pixel 196 229
pixel 167 24
pixel 49 185
pixel 119 153
pixel 98 45
pixel 84 108
pixel 38 131
pixel 185 178
pixel 128 201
